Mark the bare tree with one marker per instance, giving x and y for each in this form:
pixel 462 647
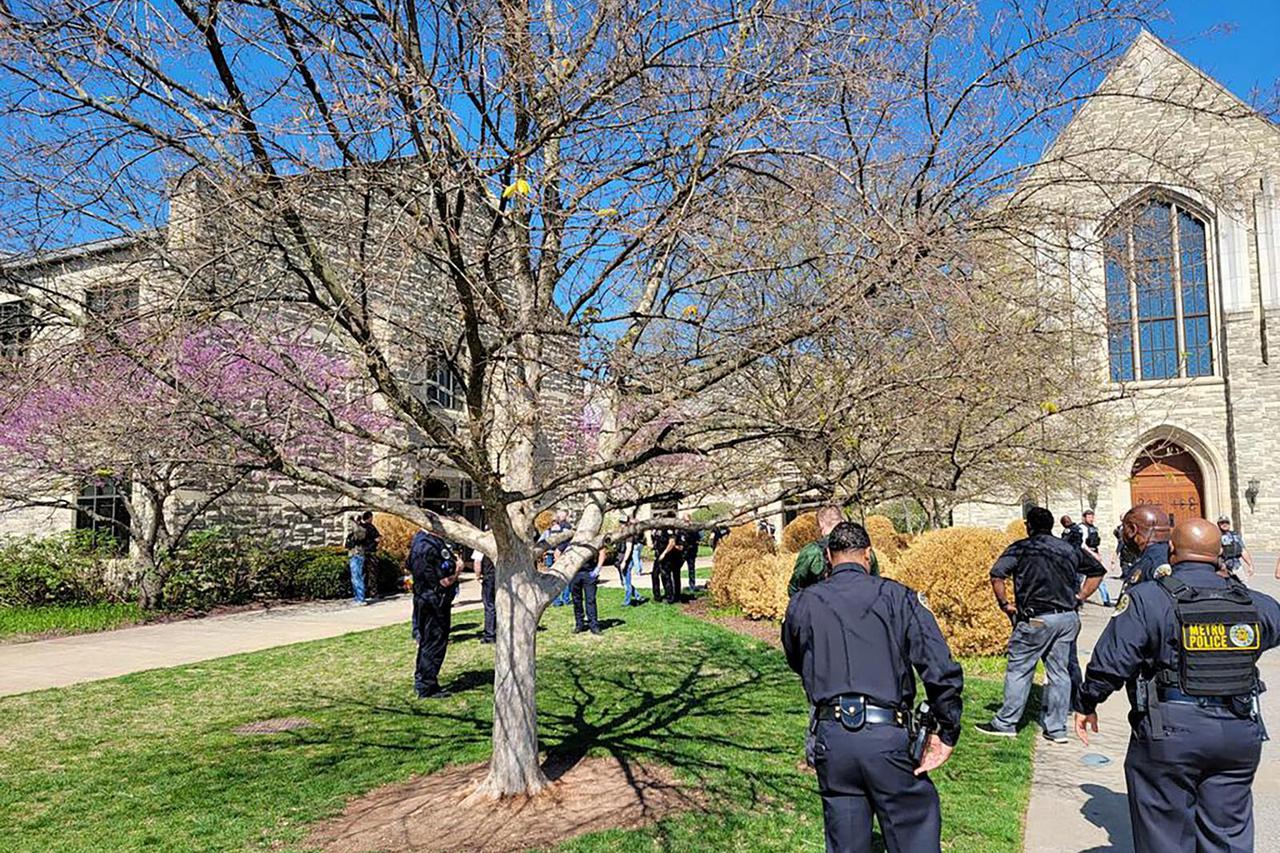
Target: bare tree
pixel 555 241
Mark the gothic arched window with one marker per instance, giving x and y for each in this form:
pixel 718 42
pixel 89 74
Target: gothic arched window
pixel 1157 276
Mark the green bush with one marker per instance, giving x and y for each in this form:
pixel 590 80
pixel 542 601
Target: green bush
pixel 218 568
pixel 64 568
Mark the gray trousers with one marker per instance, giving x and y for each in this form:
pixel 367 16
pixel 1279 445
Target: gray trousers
pixel 1050 638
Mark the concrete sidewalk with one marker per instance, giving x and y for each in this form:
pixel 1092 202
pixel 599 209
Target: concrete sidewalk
pixel 43 664
pixel 1079 806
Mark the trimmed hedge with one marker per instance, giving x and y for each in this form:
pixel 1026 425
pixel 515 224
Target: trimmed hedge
pixel 397 534
pixel 216 569
pixel 1017 528
pixel 884 537
pixel 741 546
pixel 951 567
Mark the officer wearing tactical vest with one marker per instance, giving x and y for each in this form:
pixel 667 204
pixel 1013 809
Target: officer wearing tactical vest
pixel 857 643
pixel 1234 554
pixel 1146 529
pixel 1186 649
pixel 435 583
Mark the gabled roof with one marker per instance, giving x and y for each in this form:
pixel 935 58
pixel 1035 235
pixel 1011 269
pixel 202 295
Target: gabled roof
pixel 35 260
pixel 1143 42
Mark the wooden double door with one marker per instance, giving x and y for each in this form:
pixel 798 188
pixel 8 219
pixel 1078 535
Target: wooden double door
pixel 1169 477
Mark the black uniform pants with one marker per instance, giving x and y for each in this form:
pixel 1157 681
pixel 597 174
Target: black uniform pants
pixel 669 569
pixel 869 772
pixel 583 586
pixel 1191 792
pixel 691 560
pixel 489 598
pixel 434 614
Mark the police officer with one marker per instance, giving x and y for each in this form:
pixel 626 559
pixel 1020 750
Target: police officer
pixel 435 583
pixel 668 548
pixel 1234 554
pixel 1044 572
pixel 1186 649
pixel 1146 530
pixel 1092 538
pixel 487 574
pixel 1072 532
pixel 855 640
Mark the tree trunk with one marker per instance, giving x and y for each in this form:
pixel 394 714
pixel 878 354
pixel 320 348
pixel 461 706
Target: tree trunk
pixel 515 768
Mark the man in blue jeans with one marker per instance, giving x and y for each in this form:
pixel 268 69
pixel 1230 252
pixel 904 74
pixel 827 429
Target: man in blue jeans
pixel 362 542
pixel 1043 569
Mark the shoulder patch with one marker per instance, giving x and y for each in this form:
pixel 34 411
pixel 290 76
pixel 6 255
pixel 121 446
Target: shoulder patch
pixel 1122 605
pixel 924 601
pixel 1163 571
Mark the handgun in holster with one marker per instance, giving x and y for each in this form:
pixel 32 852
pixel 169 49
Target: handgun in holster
pixel 920 724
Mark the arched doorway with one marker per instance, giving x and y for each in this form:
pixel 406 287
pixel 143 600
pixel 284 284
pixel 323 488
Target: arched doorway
pixel 1167 476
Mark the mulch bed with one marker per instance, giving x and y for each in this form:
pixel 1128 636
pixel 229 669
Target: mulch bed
pixel 769 632
pixel 435 813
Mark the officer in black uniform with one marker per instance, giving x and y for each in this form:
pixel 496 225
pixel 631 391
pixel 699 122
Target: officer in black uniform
pixel 1234 554
pixel 1146 529
pixel 1186 648
pixel 855 640
pixel 435 583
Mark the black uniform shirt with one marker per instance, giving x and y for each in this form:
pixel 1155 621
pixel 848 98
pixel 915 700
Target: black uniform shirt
pixel 1155 555
pixel 1044 569
pixel 687 540
pixel 857 634
pixel 1142 636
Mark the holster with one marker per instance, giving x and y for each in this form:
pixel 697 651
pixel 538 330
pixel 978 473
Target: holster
pixel 853 712
pixel 919 726
pixel 1147 699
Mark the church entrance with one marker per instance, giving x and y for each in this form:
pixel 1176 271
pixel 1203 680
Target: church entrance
pixel 1167 476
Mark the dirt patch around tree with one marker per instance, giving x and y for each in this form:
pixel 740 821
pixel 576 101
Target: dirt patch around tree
pixel 769 632
pixel 434 813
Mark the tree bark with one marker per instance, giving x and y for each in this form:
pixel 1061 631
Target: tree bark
pixel 515 768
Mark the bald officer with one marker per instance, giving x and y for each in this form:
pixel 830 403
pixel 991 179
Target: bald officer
pixel 1146 529
pixel 858 642
pixel 1186 648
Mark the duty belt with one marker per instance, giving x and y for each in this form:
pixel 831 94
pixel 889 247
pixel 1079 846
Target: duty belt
pixel 877 714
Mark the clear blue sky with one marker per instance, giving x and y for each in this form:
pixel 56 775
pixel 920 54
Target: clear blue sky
pixel 1235 41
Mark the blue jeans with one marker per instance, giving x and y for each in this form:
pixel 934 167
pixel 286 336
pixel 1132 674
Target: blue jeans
pixel 1050 638
pixel 624 575
pixel 357 576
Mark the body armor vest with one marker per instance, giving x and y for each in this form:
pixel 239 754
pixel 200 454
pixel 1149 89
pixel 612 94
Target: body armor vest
pixel 1231 549
pixel 1091 537
pixel 1219 639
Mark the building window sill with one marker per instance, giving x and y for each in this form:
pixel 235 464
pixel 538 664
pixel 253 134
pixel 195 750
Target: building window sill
pixel 1163 384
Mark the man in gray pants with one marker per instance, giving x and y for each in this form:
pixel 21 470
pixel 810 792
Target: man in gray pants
pixel 1043 569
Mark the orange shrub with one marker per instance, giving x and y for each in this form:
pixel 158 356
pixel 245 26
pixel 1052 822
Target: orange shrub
pixel 1017 528
pixel 884 538
pixel 951 568
pixel 802 530
pixel 759 585
pixel 397 534
pixel 741 546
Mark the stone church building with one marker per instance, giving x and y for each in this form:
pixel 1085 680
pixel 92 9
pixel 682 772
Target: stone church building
pixel 1162 227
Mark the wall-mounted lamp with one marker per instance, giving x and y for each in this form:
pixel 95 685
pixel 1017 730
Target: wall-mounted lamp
pixel 1251 494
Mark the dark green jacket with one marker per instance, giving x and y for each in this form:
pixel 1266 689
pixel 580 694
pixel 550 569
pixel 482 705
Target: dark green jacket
pixel 811 566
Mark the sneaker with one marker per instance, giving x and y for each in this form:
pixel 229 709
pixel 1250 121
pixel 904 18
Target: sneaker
pixel 991 731
pixel 1060 737
pixel 438 693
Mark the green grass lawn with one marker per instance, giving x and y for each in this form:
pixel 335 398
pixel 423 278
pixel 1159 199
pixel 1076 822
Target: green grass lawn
pixel 22 622
pixel 149 761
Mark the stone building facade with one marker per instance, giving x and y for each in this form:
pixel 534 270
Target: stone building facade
pixel 219 243
pixel 1161 223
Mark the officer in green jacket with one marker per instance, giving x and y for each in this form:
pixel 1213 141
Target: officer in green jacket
pixel 811 562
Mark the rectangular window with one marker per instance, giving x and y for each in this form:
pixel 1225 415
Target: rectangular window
pixel 1196 331
pixel 1119 309
pixel 112 302
pixel 103 508
pixel 16 325
pixel 442 385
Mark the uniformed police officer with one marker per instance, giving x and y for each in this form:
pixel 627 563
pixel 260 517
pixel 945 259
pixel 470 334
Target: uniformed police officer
pixel 1146 529
pixel 1234 554
pixel 435 579
pixel 854 640
pixel 1186 648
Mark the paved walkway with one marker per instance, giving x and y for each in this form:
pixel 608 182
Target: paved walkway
pixel 1080 807
pixel 43 664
